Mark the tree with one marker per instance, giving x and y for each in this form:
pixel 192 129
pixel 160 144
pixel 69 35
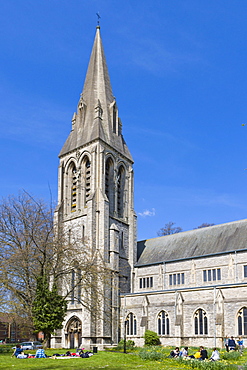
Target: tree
pixel 168 229
pixel 31 246
pixel 204 224
pixel 49 308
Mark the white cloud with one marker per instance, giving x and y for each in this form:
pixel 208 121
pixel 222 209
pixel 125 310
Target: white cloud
pixel 147 213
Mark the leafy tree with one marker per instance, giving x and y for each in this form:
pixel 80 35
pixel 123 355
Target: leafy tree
pixel 32 246
pixel 204 224
pixel 49 308
pixel 169 229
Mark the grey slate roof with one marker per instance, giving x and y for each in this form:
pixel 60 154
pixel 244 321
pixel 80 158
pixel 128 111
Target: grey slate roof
pixel 96 97
pixel 195 243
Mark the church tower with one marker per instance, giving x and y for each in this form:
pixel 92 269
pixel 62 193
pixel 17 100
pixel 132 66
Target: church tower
pixel 95 199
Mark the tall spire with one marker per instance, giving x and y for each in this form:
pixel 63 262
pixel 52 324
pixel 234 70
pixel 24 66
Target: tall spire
pixel 96 116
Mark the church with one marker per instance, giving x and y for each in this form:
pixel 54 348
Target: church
pixel 190 288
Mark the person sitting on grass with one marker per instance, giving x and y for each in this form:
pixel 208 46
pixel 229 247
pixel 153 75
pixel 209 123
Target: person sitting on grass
pixel 204 354
pixel 40 353
pixel 197 355
pixel 175 352
pixel 184 352
pixel 18 352
pixel 215 355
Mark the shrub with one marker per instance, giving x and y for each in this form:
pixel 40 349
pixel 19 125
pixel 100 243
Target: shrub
pixel 130 344
pixel 151 354
pixel 151 338
pixel 232 355
pixel 211 365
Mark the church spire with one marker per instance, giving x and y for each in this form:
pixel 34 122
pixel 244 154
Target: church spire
pixel 97 114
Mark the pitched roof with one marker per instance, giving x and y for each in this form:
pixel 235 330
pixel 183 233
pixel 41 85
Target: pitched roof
pixel 211 240
pixel 93 119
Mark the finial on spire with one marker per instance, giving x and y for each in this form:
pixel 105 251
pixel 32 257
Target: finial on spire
pixel 98 15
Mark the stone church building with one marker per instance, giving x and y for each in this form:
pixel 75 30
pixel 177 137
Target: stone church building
pixel 190 288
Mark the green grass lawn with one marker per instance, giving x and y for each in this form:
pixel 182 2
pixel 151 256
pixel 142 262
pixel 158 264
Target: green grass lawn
pixel 101 360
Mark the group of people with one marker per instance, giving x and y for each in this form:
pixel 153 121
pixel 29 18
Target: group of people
pixel 201 354
pixel 232 345
pixel 19 353
pixel 40 353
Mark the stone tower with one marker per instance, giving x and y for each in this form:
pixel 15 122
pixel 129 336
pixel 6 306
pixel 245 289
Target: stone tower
pixel 95 198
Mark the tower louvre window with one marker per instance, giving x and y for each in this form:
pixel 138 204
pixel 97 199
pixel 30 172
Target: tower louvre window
pixel 73 188
pixel 109 184
pixel 120 191
pixel 87 178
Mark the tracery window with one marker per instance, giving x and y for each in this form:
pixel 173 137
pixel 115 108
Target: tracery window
pixel 131 324
pixel 163 323
pixel 242 321
pixel 109 184
pixel 120 191
pixel 200 322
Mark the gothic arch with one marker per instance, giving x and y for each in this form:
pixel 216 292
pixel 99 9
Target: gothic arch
pixel 200 322
pixel 73 329
pixel 86 178
pixel 110 184
pixel 131 324
pixel 121 179
pixel 163 323
pixel 242 321
pixel 71 180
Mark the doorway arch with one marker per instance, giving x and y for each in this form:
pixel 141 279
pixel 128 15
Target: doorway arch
pixel 73 332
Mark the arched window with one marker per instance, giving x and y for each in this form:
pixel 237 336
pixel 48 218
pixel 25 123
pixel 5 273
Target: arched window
pixel 201 322
pixel 74 178
pixel 120 191
pixel 131 324
pixel 76 285
pixel 163 323
pixel 109 184
pixel 242 321
pixel 87 178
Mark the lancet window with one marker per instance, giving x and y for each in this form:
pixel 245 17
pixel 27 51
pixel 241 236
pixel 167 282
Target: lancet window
pixel 131 324
pixel 109 184
pixel 200 322
pixel 163 323
pixel 74 185
pixel 75 285
pixel 87 178
pixel 120 191
pixel 242 321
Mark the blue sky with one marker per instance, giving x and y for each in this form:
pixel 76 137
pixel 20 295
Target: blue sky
pixel 178 71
